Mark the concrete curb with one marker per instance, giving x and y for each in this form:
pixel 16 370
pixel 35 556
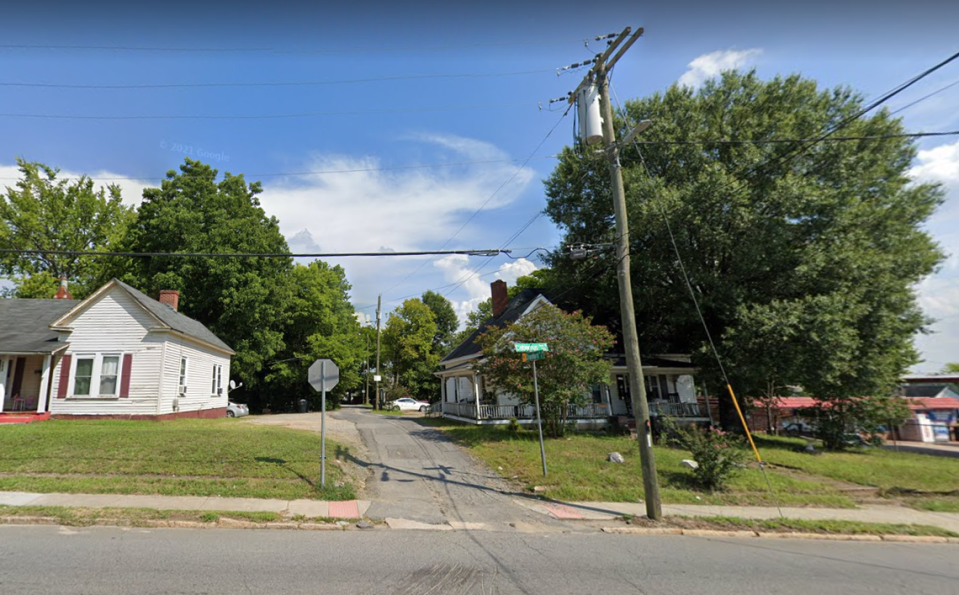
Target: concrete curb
pixel 402 524
pixel 776 535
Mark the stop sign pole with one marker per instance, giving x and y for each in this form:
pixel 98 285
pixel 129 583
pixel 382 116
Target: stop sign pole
pixel 323 374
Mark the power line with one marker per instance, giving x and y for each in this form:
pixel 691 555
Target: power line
pixel 481 252
pixel 395 110
pixel 277 50
pixel 402 77
pixel 924 97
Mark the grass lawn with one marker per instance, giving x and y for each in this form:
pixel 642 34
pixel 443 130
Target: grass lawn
pixel 579 471
pixel 219 457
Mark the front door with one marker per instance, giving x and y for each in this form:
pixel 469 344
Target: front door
pixel 17 377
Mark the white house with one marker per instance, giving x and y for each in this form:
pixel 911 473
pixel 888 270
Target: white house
pixel 670 386
pixel 116 354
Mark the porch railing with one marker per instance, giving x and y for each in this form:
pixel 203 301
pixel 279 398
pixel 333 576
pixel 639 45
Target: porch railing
pixel 523 412
pixel 675 409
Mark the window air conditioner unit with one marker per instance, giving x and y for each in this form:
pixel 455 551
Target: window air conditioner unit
pixel 182 389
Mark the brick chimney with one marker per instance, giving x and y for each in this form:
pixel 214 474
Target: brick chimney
pixel 170 297
pixel 500 297
pixel 63 293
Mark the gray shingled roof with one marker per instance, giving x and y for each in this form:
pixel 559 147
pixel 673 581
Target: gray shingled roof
pixel 25 325
pixel 174 319
pixel 513 311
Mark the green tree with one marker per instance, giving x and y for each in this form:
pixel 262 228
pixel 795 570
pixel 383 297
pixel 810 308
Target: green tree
pixel 46 213
pixel 243 300
pixel 804 258
pixel 573 365
pixel 446 321
pixel 321 324
pixel 408 345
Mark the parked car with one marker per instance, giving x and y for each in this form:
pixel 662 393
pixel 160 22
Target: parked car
pixel 236 410
pixel 409 404
pixel 797 429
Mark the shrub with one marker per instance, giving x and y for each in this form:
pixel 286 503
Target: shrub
pixel 719 455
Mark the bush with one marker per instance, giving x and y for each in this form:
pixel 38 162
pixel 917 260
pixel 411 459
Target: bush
pixel 718 455
pixel 513 427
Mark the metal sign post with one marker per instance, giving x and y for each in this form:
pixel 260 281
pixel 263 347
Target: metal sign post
pixel 531 353
pixel 323 374
pixel 539 419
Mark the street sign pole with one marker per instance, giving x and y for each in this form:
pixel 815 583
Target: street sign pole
pixel 539 419
pixel 323 374
pixel 323 426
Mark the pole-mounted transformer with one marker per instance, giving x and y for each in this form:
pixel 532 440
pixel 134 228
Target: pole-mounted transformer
pixel 590 120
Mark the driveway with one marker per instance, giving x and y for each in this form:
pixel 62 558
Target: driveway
pixel 419 474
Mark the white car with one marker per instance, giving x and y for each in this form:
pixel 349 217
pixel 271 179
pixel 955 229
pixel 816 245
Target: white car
pixel 236 410
pixel 409 404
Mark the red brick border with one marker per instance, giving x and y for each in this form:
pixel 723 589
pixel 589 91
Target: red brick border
pixel 199 414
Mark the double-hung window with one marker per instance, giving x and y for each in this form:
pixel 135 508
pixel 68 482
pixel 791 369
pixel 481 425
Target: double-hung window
pixel 96 375
pixel 184 365
pixel 217 386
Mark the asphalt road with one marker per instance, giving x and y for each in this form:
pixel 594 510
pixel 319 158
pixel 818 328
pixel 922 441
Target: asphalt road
pixel 419 474
pixel 112 561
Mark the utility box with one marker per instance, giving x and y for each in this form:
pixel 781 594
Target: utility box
pixel 590 120
pixel 303 406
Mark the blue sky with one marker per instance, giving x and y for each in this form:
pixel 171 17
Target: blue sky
pixel 391 109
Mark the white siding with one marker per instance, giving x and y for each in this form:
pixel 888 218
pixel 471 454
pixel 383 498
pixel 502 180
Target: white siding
pixel 200 362
pixel 115 323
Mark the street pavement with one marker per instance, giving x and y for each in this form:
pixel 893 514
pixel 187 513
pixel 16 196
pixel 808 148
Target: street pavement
pixel 52 560
pixel 420 477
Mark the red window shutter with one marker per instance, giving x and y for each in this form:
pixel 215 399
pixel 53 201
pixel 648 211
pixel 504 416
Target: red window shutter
pixel 64 376
pixel 125 375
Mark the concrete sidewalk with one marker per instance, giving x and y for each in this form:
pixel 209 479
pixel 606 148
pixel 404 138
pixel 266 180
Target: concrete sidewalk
pixel 866 514
pixel 349 509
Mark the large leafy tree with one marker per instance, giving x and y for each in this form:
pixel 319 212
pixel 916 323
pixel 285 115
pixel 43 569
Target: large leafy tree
pixel 321 324
pixel 804 257
pixel 46 213
pixel 575 361
pixel 243 300
pixel 408 345
pixel 446 321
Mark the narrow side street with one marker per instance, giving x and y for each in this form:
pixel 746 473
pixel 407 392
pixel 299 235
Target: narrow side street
pixel 418 474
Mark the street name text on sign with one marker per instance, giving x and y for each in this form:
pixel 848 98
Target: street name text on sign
pixel 529 347
pixel 533 356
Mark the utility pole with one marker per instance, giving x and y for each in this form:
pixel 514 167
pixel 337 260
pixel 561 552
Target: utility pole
pixel 597 75
pixel 366 392
pixel 379 304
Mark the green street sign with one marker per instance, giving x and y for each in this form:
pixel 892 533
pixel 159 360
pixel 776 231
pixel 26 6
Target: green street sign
pixel 529 347
pixel 534 355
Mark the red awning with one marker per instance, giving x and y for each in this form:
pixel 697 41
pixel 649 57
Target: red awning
pixel 932 403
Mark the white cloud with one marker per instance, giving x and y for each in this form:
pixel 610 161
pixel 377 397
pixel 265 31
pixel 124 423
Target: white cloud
pixel 131 189
pixel 302 242
pixel 709 65
pixel 394 210
pixel 457 269
pixel 940 164
pixel 939 294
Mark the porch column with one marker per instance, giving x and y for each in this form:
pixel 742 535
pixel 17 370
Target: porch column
pixel 476 394
pixel 44 385
pixel 4 370
pixel 442 390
